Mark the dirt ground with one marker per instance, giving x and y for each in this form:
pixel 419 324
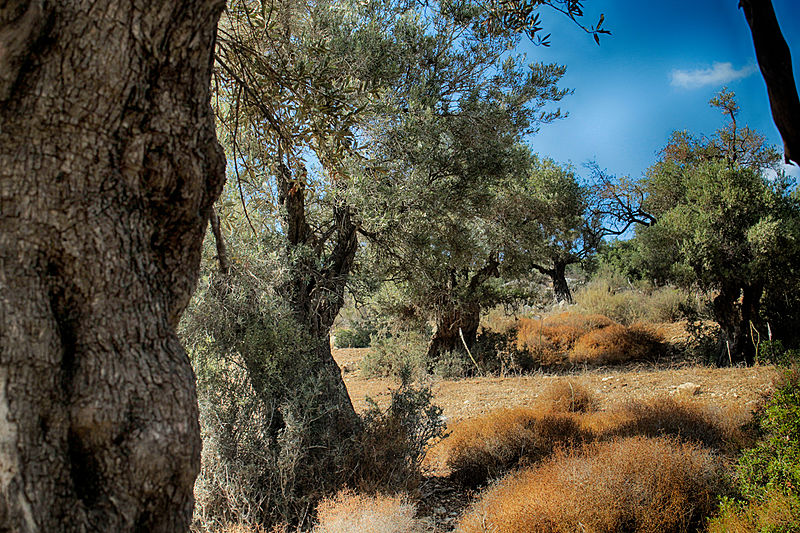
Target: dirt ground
pixel 738 388
pixel 465 398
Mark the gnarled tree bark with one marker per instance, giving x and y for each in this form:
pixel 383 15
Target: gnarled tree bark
pixel 108 168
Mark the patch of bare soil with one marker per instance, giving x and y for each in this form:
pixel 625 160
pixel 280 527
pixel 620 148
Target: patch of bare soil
pixel 737 388
pixel 466 398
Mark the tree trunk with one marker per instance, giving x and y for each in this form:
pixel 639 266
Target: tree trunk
pixel 317 283
pixel 736 319
pixel 775 62
pixel 446 336
pixel 108 168
pixel 560 286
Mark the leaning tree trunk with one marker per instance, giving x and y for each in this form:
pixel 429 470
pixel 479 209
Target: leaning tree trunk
pixel 775 63
pixel 108 169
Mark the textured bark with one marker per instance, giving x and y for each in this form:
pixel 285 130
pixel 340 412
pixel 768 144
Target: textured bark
pixel 775 62
pixel 320 269
pixel 736 310
pixel 219 240
pixel 464 316
pixel 108 169
pixel 558 275
pixel 446 336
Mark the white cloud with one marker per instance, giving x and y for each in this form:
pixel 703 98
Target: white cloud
pixel 718 74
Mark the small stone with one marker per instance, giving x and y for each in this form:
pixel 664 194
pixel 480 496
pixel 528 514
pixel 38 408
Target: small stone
pixel 688 388
pixel 439 510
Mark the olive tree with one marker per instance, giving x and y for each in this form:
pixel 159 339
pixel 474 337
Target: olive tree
pixel 109 165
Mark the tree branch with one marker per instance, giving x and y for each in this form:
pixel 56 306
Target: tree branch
pixel 775 62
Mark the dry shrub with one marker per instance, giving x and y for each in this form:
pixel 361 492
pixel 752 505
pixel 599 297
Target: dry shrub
pixel 551 338
pixel 777 512
pixel 637 484
pixel 568 396
pixel 481 448
pixel 348 512
pixel 616 344
pixel 688 421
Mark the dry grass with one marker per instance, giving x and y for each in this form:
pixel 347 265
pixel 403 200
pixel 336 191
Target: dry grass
pixel 349 512
pixel 481 448
pixel 778 513
pixel 616 344
pixel 637 484
pixel 488 446
pixel 688 421
pixel 585 339
pixel 567 396
pixel 549 339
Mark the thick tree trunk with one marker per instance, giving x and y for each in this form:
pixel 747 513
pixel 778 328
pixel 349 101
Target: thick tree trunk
pixel 736 320
pixel 558 275
pixel 108 169
pixel 446 336
pixel 317 283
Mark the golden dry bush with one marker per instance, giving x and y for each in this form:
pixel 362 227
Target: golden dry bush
pixel 636 484
pixel 349 512
pixel 550 339
pixel 488 446
pixel 688 421
pixel 568 396
pixel 616 344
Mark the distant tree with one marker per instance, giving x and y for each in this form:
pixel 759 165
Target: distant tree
pixel 547 219
pixel 722 223
pixel 376 113
pixel 109 166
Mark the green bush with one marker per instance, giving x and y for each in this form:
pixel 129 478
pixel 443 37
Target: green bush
pixel 357 337
pixel 772 352
pixel 395 440
pixel 774 462
pixel 395 353
pixel 768 474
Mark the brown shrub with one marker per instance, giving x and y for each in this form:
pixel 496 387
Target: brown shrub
pixel 615 344
pixel 638 484
pixel 550 339
pixel 481 448
pixel 568 396
pixel 349 512
pixel 687 421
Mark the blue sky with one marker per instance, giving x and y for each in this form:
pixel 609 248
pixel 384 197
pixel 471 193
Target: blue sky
pixel 654 74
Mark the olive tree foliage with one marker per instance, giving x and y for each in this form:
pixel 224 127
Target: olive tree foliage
pixel 548 221
pixel 366 95
pixel 432 206
pixel 725 221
